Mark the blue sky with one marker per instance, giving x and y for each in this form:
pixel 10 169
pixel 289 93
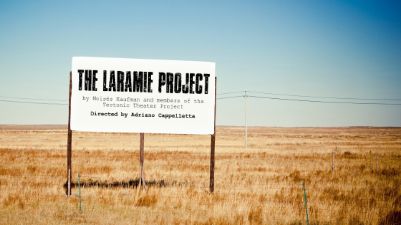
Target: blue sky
pixel 319 48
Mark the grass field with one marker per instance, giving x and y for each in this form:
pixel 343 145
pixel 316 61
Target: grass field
pixel 259 186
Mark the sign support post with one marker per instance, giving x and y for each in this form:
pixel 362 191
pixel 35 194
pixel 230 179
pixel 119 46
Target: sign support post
pixel 141 158
pixel 212 147
pixel 213 144
pixel 69 142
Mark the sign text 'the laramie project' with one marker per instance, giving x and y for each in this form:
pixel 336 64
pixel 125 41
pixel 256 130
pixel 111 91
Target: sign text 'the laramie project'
pixel 149 96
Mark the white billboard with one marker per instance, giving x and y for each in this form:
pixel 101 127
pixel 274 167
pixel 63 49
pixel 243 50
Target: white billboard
pixel 141 95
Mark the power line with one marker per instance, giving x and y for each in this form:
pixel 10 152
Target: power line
pixel 30 102
pixel 327 97
pixel 328 102
pixel 312 101
pixel 230 92
pixel 43 101
pixel 38 99
pixel 240 96
pixel 237 96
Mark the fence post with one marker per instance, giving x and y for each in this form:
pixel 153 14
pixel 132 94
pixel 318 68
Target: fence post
pixel 305 203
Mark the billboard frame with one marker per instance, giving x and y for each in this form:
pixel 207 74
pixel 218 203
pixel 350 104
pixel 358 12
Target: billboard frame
pixel 141 147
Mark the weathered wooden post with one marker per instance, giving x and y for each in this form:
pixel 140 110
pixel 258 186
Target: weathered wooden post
pixel 213 144
pixel 69 142
pixel 141 158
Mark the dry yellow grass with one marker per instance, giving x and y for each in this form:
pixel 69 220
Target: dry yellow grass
pixel 260 186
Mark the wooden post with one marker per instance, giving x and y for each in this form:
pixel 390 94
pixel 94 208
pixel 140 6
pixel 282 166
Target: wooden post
pixel 141 158
pixel 213 144
pixel 69 142
pixel 212 147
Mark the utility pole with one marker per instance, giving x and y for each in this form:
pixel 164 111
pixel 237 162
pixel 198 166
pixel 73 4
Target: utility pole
pixel 246 124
